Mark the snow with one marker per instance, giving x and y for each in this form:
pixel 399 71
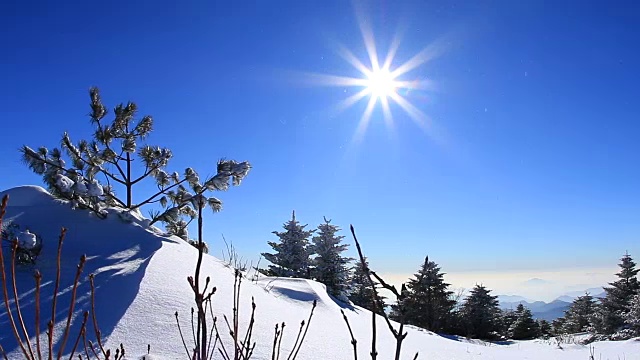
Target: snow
pixel 27 240
pixel 64 183
pixel 141 281
pixel 94 188
pixel 80 187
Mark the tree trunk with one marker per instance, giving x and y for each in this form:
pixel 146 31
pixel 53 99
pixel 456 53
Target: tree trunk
pixel 128 181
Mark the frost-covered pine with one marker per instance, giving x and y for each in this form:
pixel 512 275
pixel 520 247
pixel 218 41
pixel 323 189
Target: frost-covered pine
pixel 632 315
pixel 291 255
pixel 481 314
pixel 579 317
pixel 360 291
pixel 427 302
pixel 117 155
pixel 330 267
pixel 618 297
pixel 524 327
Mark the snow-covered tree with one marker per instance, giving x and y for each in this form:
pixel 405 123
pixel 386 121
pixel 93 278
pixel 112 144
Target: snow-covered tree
pixel 578 317
pixel 618 297
pixel 481 313
pixel 524 327
pixel 360 292
pixel 117 157
pixel 632 315
pixel 330 267
pixel 545 328
pixel 292 253
pixel 428 302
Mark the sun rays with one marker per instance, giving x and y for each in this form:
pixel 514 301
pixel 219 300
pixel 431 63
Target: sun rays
pixel 381 83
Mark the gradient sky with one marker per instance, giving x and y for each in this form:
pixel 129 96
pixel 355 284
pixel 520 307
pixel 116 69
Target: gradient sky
pixel 529 167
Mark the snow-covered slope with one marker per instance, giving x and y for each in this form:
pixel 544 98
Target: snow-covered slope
pixel 141 282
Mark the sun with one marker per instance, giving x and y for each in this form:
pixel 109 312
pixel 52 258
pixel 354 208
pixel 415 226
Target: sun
pixel 381 84
pixel 380 81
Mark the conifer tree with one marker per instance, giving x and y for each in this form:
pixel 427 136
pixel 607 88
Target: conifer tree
pixel 545 328
pixel 524 327
pixel 578 317
pixel 117 155
pixel 632 315
pixel 330 267
pixel 618 297
pixel 292 253
pixel 481 313
pixel 427 303
pixel 360 292
pixel 508 317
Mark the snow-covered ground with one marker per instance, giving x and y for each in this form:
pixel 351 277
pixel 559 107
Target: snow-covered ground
pixel 141 280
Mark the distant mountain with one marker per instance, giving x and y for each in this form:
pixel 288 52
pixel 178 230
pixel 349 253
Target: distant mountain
pixel 512 299
pixel 547 311
pixel 536 282
pixel 539 309
pixel 596 292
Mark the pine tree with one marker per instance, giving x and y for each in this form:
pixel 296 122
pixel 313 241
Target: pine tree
pixel 427 303
pixel 545 328
pixel 507 319
pixel 360 292
pixel 618 297
pixel 116 154
pixel 481 313
pixel 330 266
pixel 578 317
pixel 524 327
pixel 292 253
pixel 632 315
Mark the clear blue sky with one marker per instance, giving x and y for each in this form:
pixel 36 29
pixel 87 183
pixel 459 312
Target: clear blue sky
pixel 535 165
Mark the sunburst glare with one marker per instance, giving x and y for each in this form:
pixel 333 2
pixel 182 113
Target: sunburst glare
pixel 381 83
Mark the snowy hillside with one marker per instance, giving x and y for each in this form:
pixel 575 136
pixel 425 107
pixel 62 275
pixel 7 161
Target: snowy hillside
pixel 141 282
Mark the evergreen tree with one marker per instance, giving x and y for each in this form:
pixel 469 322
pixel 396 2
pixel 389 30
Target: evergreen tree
pixel 116 154
pixel 618 297
pixel 632 315
pixel 524 327
pixel 360 292
pixel 507 319
pixel 292 253
pixel 557 326
pixel 427 303
pixel 545 328
pixel 578 317
pixel 481 313
pixel 330 266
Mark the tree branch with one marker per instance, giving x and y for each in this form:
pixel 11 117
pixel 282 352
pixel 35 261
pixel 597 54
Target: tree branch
pixel 163 191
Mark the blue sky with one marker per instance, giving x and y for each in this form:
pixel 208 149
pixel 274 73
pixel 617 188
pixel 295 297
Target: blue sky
pixel 531 163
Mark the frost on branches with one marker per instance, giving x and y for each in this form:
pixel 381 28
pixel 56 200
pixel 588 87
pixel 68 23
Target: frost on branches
pixel 292 253
pixel 117 156
pixel 331 268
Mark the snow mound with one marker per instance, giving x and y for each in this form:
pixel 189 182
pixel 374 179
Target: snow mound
pixel 300 291
pixel 28 196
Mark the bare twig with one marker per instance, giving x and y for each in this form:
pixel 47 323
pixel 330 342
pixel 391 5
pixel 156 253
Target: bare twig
pixel 399 334
pixel 305 330
pixel 82 330
pixel 181 336
pixel 83 259
pixel 354 342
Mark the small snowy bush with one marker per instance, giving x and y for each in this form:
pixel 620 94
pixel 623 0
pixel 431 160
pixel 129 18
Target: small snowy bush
pixel 29 244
